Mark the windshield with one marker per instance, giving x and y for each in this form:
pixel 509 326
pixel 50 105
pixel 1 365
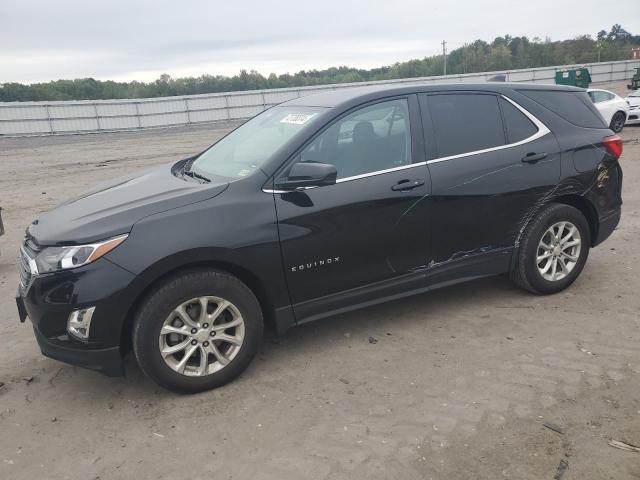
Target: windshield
pixel 249 146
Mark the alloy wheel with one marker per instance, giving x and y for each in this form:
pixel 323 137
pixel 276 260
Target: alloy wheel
pixel 618 122
pixel 201 336
pixel 558 251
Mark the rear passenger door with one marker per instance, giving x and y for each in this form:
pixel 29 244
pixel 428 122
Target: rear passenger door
pixel 490 163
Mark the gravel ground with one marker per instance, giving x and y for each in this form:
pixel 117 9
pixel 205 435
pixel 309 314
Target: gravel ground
pixel 458 384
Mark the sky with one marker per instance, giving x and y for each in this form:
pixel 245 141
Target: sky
pixel 128 40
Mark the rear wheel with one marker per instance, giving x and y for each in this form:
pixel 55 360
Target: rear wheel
pixel 197 331
pixel 617 122
pixel 553 250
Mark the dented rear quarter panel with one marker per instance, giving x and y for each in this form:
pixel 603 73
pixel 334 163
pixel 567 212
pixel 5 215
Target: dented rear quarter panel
pixel 587 169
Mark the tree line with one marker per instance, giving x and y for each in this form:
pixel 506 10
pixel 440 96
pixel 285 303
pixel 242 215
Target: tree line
pixel 503 53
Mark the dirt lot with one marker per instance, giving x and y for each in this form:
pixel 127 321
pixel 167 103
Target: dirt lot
pixel 457 386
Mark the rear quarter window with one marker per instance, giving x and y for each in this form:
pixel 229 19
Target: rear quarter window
pixel 575 107
pixel 518 126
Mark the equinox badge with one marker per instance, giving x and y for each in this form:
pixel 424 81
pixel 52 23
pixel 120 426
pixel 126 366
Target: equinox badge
pixel 315 263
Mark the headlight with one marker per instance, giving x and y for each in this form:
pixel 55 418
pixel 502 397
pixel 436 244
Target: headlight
pixel 52 259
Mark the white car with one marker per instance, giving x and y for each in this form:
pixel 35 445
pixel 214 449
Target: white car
pixel 633 99
pixel 614 109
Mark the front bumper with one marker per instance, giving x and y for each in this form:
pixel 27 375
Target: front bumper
pixel 633 116
pixel 49 299
pixel 65 349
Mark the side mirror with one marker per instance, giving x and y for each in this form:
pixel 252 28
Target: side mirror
pixel 308 174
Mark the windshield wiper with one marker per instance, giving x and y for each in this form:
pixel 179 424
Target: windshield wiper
pixel 186 170
pixel 195 175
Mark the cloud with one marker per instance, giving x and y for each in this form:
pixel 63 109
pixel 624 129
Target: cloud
pixel 129 40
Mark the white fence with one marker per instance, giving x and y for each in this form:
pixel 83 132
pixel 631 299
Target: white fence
pixel 87 116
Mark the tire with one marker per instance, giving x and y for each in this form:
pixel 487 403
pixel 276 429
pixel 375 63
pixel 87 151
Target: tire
pixel 617 122
pixel 227 301
pixel 527 272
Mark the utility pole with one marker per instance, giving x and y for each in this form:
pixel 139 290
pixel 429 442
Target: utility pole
pixel 464 58
pixel 444 56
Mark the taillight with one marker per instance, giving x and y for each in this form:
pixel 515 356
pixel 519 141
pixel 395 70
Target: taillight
pixel 613 144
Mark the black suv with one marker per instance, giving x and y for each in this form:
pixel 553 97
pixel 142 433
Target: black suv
pixel 314 207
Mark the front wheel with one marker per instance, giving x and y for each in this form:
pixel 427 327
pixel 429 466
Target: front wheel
pixel 553 250
pixel 197 331
pixel 617 122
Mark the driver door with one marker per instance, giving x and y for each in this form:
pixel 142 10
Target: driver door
pixel 367 235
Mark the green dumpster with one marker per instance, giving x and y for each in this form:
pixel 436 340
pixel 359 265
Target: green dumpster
pixel 576 77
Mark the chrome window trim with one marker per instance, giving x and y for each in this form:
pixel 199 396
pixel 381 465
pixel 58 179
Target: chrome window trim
pixel 380 172
pixel 542 131
pixel 355 177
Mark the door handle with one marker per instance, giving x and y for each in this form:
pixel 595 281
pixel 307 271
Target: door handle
pixel 533 157
pixel 407 184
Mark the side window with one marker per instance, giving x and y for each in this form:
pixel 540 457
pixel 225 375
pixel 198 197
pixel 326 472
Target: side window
pixel 600 96
pixel 517 124
pixel 370 139
pixel 575 107
pixel 465 122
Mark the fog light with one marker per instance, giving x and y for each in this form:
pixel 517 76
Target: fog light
pixel 79 323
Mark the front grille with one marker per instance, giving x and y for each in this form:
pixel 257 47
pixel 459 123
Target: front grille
pixel 28 252
pixel 25 270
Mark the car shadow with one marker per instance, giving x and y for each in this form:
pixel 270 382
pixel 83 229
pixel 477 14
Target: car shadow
pixel 401 314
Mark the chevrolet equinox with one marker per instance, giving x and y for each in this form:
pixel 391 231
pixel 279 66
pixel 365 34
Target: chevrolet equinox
pixel 314 207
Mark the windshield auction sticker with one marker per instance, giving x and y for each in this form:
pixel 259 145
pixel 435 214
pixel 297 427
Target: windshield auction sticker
pixel 297 118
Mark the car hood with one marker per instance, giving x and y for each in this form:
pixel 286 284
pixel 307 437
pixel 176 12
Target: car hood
pixel 113 208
